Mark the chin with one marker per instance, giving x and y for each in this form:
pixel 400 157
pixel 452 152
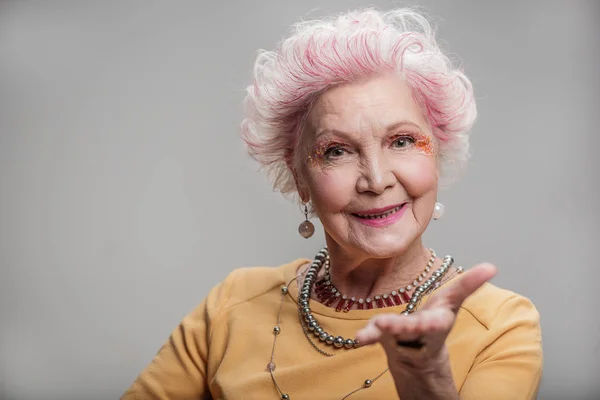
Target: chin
pixel 387 245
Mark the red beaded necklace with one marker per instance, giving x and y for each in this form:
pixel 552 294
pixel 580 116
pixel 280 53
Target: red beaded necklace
pixel 330 296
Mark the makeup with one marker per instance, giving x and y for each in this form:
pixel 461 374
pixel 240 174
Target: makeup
pixel 319 153
pixel 379 218
pixel 419 142
pixel 425 145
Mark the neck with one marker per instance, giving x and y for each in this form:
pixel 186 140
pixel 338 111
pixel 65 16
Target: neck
pixel 359 275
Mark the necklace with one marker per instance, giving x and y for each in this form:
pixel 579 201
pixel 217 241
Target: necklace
pixel 338 341
pixel 310 324
pixel 329 295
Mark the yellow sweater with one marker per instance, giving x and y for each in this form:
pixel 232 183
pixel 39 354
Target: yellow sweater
pixel 222 348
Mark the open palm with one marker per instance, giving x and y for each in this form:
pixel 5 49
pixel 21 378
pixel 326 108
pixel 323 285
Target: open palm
pixel 427 327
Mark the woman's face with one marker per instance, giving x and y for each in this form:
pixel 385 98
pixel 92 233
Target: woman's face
pixel 371 171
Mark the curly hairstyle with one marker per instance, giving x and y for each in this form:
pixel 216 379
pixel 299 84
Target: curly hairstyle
pixel 321 54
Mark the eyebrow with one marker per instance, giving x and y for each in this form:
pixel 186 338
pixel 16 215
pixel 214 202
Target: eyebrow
pixel 390 128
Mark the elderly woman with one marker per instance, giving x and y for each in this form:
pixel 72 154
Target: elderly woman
pixel 360 116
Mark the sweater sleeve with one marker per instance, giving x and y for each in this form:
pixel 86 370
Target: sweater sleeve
pixel 509 366
pixel 179 369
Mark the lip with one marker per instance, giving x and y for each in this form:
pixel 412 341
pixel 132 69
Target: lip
pixel 379 210
pixel 382 222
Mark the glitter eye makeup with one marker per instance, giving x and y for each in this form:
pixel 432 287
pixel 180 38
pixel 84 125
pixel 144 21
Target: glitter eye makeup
pixel 327 151
pixel 415 141
pixel 322 151
pixel 425 145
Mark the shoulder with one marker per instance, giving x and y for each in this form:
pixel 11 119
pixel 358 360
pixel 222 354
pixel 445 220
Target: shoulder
pixel 247 283
pixel 491 306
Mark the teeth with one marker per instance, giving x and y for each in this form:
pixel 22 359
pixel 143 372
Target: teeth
pixel 379 216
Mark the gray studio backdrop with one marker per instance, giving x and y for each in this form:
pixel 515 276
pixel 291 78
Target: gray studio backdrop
pixel 126 193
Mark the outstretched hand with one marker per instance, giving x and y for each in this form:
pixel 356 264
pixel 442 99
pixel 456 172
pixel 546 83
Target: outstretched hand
pixel 428 327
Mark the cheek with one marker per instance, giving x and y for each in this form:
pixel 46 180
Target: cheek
pixel 331 190
pixel 419 175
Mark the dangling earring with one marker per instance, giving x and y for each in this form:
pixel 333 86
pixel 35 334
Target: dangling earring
pixel 306 228
pixel 438 210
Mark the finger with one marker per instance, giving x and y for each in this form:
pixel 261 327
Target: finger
pixel 456 292
pixel 405 327
pixel 435 325
pixel 381 324
pixel 431 322
pixel 372 334
pixel 369 334
pixel 424 334
pixel 424 323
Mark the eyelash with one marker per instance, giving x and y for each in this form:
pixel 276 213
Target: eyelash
pixel 408 138
pixel 333 147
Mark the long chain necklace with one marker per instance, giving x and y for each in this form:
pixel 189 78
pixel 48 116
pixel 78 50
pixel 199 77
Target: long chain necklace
pixel 310 324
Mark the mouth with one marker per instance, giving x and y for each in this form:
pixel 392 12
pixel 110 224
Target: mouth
pixel 381 213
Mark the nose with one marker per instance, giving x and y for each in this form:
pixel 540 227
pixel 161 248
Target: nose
pixel 376 175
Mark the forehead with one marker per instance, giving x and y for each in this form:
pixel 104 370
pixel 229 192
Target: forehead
pixel 373 103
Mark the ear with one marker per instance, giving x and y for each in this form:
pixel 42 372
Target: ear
pixel 303 192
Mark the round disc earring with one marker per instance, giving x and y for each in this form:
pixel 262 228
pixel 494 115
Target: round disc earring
pixel 306 228
pixel 438 210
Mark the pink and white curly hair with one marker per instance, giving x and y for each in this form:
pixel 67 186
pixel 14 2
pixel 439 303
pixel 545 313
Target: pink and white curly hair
pixel 353 46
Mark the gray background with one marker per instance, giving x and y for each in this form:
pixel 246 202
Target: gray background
pixel 126 193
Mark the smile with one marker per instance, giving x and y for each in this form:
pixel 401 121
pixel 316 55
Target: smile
pixel 381 217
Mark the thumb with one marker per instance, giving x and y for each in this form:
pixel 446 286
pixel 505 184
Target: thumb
pixel 457 291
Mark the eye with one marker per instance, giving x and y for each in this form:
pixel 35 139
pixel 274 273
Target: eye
pixel 403 141
pixel 335 151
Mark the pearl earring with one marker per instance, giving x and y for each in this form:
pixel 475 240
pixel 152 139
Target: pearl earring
pixel 438 210
pixel 306 228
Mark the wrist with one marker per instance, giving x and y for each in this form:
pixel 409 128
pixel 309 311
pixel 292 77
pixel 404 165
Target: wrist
pixel 425 378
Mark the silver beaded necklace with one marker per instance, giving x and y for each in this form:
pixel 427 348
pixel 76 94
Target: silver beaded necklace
pixel 329 295
pixel 310 325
